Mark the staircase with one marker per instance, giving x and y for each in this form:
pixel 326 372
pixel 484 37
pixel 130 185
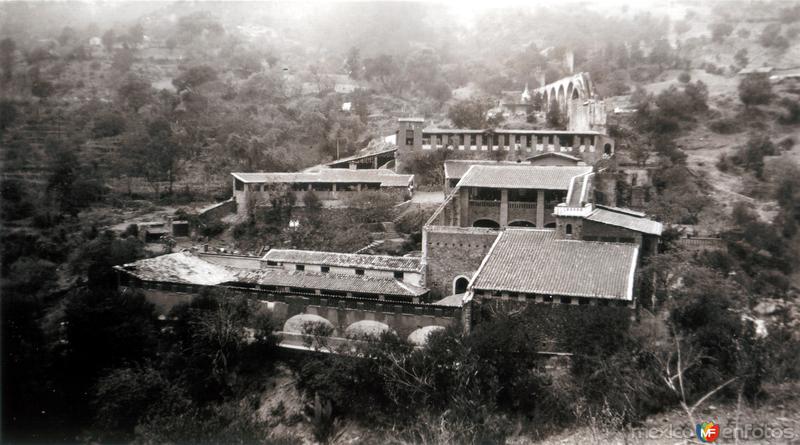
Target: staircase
pixel 389 231
pixel 369 246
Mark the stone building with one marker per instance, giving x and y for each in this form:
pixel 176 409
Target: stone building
pixel 536 266
pixel 404 269
pixel 510 194
pixel 345 301
pixel 494 198
pixel 253 189
pixel 413 139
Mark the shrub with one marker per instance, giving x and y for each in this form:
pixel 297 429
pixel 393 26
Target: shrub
pixel 771 37
pixel 755 90
pixel 720 30
pixel 725 125
pixel 214 228
pixel 684 77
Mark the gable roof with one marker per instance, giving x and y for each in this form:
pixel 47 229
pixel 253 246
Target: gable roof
pixel 553 154
pixel 457 168
pixel 522 176
pixel 187 268
pixel 534 261
pixel 362 156
pixel 374 262
pixel 628 219
pixel 384 177
pixel 328 281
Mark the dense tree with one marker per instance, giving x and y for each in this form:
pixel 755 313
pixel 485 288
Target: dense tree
pixel 68 35
pixel 353 63
pixel 719 31
pixel 7 49
pixel 135 92
pixel 755 90
pixel 8 114
pixel 554 119
pixel 135 34
pixel 194 77
pixel 469 113
pixel 108 39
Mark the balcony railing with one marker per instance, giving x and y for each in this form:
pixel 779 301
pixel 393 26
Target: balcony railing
pixel 484 203
pixel 521 205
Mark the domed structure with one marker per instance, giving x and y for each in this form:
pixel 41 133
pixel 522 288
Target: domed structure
pixel 370 328
pixel 420 336
pixel 300 323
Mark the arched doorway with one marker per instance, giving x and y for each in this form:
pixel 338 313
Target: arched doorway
pixel 460 284
pixel 486 223
pixel 607 149
pixel 521 223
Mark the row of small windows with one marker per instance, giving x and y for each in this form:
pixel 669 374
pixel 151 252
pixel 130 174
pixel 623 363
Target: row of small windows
pixel 432 244
pixel 325 269
pixel 497 139
pixel 550 299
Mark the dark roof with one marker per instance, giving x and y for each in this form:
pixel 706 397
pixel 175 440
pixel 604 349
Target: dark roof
pixel 628 219
pixel 456 168
pixel 328 281
pixel 534 261
pixel 362 156
pixel 385 177
pixel 522 176
pixel 553 154
pixel 188 268
pixel 376 262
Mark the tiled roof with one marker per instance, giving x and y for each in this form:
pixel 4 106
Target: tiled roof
pixel 362 155
pixel 522 176
pixel 187 268
pixel 553 154
pixel 386 178
pixel 627 219
pixel 376 262
pixel 180 267
pixel 327 281
pixel 456 168
pixel 534 261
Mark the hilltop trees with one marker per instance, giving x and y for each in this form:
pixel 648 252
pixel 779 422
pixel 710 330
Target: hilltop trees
pixel 755 90
pixel 7 48
pixel 469 113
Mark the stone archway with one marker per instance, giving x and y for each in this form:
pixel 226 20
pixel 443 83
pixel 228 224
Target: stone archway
pixel 460 284
pixel 521 223
pixel 561 97
pixel 486 223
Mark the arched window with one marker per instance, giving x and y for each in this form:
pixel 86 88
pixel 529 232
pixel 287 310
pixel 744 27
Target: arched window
pixel 568 229
pixel 487 223
pixel 460 285
pixel 607 149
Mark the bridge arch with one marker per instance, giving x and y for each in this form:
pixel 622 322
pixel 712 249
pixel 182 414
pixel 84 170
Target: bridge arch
pixel 420 336
pixel 521 223
pixel 367 328
pixel 487 223
pixel 551 225
pixel 561 97
pixel 303 323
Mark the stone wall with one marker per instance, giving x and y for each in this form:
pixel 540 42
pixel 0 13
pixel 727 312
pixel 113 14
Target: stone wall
pixel 451 252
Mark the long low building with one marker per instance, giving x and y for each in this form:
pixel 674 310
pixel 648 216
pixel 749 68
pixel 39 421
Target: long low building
pixel 185 268
pixel 405 269
pixel 328 184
